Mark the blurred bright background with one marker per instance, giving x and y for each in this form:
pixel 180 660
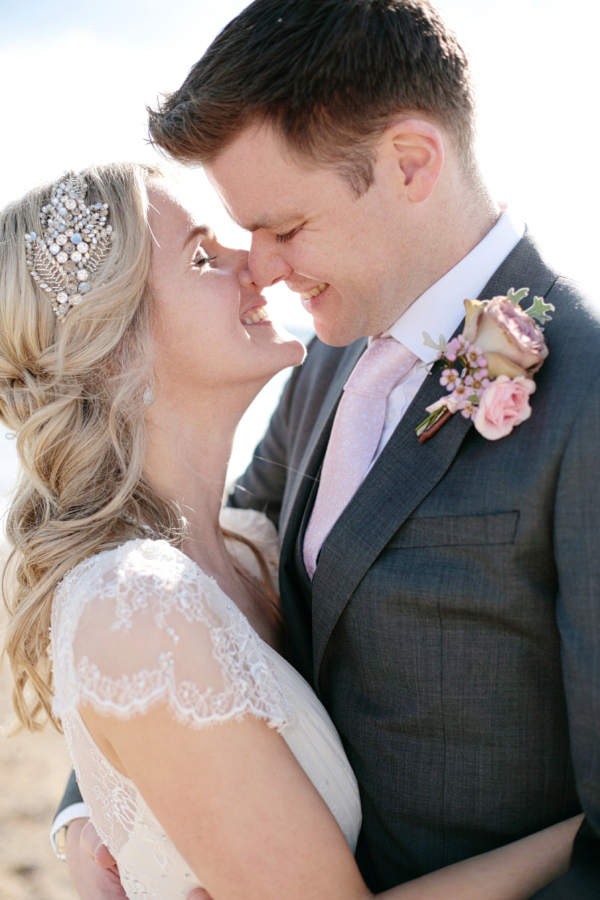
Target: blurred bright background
pixel 76 78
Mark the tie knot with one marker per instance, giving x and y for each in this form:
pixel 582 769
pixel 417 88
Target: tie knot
pixel 380 368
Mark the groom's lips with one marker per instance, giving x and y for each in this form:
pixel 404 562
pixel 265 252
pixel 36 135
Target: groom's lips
pixel 311 297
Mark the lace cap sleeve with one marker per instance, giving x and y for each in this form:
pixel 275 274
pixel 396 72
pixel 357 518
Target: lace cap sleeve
pixel 143 624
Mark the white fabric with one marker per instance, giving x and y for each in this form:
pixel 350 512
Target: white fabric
pixel 440 310
pixel 65 817
pixel 142 624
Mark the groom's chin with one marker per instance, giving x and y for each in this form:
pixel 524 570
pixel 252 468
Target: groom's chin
pixel 334 334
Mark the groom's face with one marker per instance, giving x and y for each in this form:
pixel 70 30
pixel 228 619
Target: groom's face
pixel 349 258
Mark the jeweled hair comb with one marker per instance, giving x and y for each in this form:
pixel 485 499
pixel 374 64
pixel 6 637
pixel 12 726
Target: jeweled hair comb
pixel 74 242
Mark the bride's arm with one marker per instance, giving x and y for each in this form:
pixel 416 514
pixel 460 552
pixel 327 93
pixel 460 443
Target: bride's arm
pixel 513 872
pixel 242 812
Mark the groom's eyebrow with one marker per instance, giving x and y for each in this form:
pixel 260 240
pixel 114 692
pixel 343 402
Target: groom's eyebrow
pixel 199 231
pixel 272 224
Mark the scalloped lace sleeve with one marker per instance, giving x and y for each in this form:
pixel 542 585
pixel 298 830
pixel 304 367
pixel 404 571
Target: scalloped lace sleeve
pixel 142 624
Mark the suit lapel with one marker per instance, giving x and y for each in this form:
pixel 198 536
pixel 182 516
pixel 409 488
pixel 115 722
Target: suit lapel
pixel 403 475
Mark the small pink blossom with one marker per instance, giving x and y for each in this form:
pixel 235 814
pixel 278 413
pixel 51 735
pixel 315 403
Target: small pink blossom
pixel 476 383
pixel 449 379
pixel 469 410
pixel 455 348
pixel 461 393
pixel 475 358
pixel 503 404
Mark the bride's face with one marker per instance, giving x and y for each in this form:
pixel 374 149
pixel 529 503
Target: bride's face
pixel 213 332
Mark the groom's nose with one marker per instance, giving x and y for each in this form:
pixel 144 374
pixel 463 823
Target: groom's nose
pixel 265 262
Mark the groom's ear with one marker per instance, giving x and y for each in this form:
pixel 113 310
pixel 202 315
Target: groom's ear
pixel 415 150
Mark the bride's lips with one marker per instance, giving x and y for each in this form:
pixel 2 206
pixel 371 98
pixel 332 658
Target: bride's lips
pixel 256 315
pixel 309 298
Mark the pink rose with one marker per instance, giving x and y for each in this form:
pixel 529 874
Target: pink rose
pixel 509 339
pixel 503 404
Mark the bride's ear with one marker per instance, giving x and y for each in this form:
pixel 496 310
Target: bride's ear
pixel 416 149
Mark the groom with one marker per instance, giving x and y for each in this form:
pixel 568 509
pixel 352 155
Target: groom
pixel 449 618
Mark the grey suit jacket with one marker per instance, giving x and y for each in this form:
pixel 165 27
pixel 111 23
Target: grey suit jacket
pixel 452 628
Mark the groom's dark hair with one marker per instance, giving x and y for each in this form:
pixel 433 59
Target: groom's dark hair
pixel 329 75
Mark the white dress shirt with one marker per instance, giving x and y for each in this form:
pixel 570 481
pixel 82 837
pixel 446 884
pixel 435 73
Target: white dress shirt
pixel 440 310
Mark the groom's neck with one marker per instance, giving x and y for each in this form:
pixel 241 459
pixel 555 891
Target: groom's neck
pixel 463 214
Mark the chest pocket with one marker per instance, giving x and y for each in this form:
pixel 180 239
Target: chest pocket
pixel 457 531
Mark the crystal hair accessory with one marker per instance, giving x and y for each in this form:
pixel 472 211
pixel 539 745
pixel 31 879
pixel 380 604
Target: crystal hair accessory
pixel 74 242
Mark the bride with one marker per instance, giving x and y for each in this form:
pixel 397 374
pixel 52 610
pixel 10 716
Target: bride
pixel 131 342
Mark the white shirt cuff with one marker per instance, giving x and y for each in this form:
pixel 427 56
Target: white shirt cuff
pixel 65 817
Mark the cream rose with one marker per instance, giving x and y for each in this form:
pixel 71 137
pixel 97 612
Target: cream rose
pixel 503 404
pixel 509 339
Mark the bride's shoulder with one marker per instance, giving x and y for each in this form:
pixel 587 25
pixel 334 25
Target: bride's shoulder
pixel 140 557
pixel 141 574
pixel 141 623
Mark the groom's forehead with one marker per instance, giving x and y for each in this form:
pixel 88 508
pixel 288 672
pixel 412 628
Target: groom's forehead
pixel 257 156
pixel 258 190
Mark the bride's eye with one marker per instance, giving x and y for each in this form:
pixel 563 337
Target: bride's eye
pixel 200 260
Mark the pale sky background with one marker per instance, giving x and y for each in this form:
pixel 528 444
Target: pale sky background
pixel 75 78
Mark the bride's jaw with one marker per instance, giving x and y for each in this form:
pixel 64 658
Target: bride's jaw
pixel 287 349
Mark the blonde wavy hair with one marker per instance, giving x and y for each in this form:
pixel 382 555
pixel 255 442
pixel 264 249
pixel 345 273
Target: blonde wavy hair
pixel 72 392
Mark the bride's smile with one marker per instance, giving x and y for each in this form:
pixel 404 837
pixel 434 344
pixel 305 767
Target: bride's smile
pixel 213 331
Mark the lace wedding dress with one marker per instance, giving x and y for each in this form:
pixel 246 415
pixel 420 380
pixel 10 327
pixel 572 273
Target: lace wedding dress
pixel 142 624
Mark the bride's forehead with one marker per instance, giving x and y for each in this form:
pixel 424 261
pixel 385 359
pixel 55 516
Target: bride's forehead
pixel 168 217
pixel 164 201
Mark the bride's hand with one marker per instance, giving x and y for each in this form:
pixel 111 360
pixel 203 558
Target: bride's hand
pixel 91 843
pixel 92 868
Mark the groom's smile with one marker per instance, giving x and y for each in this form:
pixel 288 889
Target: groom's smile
pixel 314 292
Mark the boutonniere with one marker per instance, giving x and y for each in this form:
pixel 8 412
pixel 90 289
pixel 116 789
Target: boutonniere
pixel 489 367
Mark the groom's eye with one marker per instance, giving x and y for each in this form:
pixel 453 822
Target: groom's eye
pixel 284 238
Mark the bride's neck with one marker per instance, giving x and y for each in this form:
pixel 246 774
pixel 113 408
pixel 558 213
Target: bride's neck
pixel 188 450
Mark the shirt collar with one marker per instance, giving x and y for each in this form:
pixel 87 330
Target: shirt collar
pixel 440 310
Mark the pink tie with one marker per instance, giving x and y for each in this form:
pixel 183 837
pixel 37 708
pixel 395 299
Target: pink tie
pixel 354 437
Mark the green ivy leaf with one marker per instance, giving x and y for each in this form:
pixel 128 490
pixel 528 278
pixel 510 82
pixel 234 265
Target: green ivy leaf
pixel 516 296
pixel 539 310
pixel 429 342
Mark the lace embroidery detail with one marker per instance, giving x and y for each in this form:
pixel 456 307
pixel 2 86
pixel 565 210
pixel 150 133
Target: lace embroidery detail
pixel 152 577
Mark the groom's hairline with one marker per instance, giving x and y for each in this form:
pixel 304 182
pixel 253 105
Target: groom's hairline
pixel 184 123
